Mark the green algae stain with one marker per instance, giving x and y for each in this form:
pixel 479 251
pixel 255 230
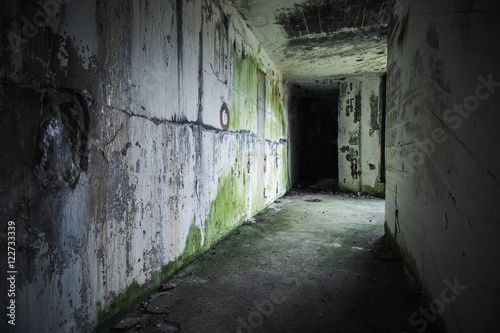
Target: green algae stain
pixel 227 210
pixel 244 84
pixel 284 179
pixel 192 249
pixel 244 102
pixel 275 123
pixel 125 300
pixel 122 302
pixel 193 241
pixel 377 190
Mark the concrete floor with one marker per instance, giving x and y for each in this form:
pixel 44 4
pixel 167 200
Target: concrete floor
pixel 311 262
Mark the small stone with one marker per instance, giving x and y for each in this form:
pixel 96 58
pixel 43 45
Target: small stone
pixel 171 327
pixel 160 304
pixel 168 286
pixel 145 320
pixel 126 323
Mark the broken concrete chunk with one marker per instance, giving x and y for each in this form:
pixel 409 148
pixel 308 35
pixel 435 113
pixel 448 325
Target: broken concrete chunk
pixel 324 184
pixel 162 327
pixel 168 286
pixel 170 327
pixel 160 304
pixel 126 323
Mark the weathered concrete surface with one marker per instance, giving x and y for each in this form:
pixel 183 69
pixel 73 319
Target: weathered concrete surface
pixel 443 167
pixel 115 166
pixel 310 263
pixel 318 43
pixel 360 118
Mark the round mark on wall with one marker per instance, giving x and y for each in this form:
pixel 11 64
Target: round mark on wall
pixel 224 116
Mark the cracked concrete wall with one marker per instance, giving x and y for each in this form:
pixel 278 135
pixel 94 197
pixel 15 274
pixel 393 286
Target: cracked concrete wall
pixel 359 139
pixel 442 164
pixel 116 164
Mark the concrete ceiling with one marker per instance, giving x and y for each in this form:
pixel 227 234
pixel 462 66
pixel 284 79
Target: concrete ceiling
pixel 318 43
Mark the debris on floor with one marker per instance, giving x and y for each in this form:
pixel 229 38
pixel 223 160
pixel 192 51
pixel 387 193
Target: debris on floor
pixel 310 262
pixel 324 184
pixel 168 286
pixel 126 323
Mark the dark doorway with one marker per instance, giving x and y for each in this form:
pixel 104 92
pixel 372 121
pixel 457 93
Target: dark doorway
pixel 318 139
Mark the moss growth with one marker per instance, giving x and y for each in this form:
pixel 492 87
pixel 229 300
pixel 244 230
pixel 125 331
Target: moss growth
pixel 377 190
pixel 244 100
pixel 193 241
pixel 136 292
pixel 227 210
pixel 121 303
pixel 284 179
pixel 256 195
pixel 191 251
pixel 275 125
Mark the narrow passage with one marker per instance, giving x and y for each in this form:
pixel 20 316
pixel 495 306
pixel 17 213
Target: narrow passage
pixel 311 262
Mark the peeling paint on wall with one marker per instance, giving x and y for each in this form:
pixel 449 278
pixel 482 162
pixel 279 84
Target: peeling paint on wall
pixel 360 136
pixel 119 172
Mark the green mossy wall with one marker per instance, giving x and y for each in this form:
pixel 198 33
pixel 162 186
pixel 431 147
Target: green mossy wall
pixel 228 208
pixel 136 291
pixel 244 101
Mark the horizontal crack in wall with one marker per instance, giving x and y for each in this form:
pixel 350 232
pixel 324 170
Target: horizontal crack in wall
pixel 203 127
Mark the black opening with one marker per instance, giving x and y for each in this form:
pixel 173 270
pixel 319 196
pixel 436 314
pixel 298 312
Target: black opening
pixel 318 139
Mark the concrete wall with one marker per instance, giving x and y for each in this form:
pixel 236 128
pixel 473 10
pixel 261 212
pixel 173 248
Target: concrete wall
pixel 443 167
pixel 359 138
pixel 116 166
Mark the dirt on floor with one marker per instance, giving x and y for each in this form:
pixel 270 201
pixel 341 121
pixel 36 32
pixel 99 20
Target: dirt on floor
pixel 310 262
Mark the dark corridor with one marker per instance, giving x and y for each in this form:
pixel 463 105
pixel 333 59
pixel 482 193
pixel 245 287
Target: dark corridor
pixel 318 139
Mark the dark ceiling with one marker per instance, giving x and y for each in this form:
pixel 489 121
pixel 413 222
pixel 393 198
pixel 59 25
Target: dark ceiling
pixel 317 43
